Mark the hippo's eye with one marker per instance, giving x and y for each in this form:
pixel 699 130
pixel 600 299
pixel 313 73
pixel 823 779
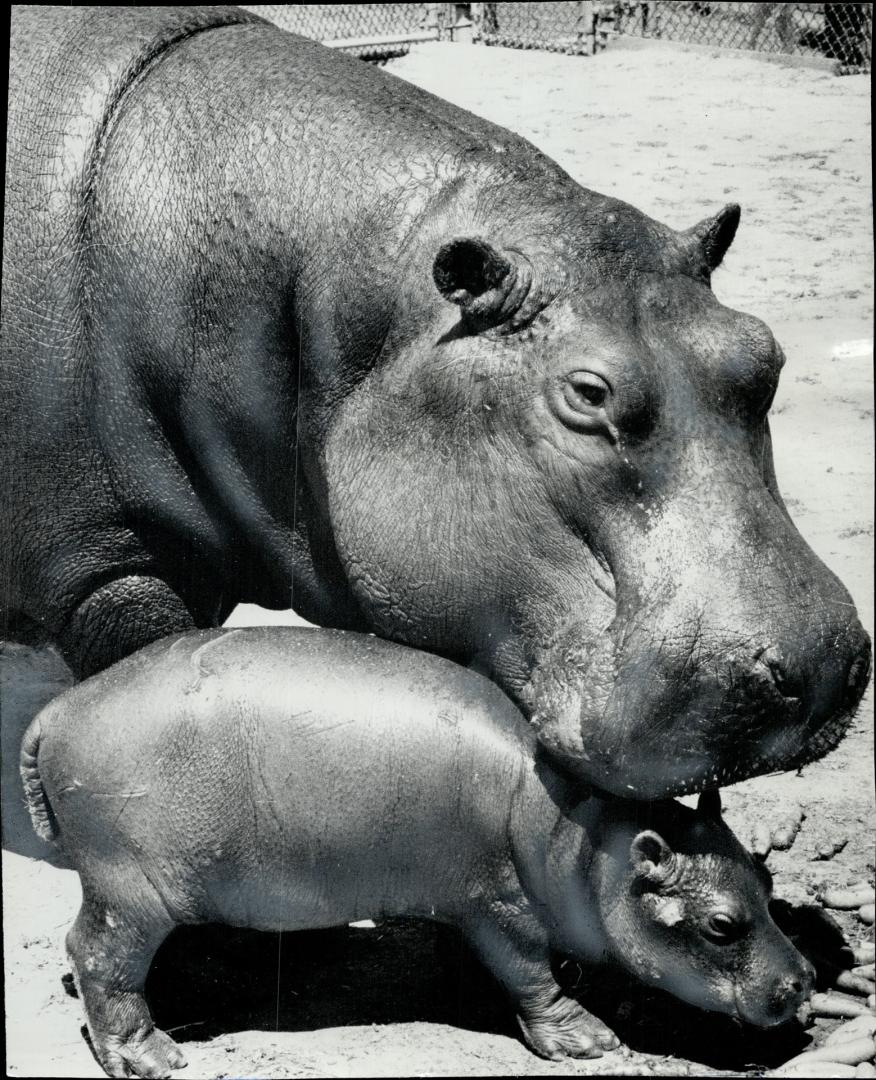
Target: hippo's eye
pixel 585 391
pixel 723 928
pixel 579 400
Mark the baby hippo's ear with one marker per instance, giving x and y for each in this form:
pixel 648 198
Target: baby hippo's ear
pixel 651 858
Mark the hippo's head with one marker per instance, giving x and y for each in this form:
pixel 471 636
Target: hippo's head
pixel 686 909
pixel 559 471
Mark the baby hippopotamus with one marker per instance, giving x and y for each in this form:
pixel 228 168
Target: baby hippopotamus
pixel 285 779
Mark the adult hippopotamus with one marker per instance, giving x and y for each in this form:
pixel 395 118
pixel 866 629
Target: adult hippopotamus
pixel 278 327
pixel 285 779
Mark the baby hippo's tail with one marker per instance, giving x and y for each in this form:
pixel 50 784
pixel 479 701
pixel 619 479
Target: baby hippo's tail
pixel 38 805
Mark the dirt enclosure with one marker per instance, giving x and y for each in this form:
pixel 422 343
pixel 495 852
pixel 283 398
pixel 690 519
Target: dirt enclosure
pixel 678 134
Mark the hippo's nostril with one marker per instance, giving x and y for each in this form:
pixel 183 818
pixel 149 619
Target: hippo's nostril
pixel 777 674
pixel 783 680
pixel 794 988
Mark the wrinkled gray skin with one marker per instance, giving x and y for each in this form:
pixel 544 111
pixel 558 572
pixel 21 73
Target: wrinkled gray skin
pixel 286 778
pixel 280 328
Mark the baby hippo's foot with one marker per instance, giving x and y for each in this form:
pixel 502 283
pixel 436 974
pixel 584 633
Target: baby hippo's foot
pixel 564 1029
pixel 151 1054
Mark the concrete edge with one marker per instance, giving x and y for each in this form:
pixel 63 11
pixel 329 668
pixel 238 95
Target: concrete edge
pixel 632 42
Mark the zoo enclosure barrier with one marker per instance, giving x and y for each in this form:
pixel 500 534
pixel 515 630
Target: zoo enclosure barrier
pixel 840 32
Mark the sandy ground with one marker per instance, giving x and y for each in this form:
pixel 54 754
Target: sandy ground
pixel 677 134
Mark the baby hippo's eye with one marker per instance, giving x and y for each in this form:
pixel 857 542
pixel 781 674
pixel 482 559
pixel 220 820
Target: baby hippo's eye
pixel 723 928
pixel 585 390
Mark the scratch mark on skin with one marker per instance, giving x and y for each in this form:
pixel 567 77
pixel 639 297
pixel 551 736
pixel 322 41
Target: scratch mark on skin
pixel 176 644
pixel 118 794
pixel 197 659
pixel 324 730
pixel 314 730
pixel 130 795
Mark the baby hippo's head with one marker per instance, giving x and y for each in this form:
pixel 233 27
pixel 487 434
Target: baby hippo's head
pixel 690 914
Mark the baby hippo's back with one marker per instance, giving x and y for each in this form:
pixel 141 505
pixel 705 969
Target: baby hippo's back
pixel 283 777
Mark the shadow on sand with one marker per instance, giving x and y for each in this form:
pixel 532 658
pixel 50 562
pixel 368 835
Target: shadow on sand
pixel 208 981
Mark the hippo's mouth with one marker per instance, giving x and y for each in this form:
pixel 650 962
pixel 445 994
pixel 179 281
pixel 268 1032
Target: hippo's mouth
pixel 785 749
pixel 792 746
pixel 701 736
pixel 775 1010
pixel 761 1019
pixel 777 750
pixel 758 743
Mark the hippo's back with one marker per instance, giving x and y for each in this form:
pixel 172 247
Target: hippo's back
pixel 69 70
pixel 282 673
pixel 246 752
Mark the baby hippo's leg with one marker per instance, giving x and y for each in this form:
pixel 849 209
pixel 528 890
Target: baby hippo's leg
pixel 111 946
pixel 554 1025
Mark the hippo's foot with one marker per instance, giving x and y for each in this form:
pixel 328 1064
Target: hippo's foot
pixel 151 1054
pixel 563 1029
pixel 111 946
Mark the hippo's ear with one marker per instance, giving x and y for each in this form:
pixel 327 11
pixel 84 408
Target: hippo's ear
pixel 709 804
pixel 652 858
pixel 488 285
pixel 714 236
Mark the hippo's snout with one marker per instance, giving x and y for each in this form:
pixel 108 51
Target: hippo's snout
pixel 787 993
pixel 797 710
pixel 797 989
pixel 646 719
pixel 826 699
pixel 836 687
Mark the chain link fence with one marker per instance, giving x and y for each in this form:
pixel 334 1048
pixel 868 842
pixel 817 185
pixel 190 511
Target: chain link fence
pixel 372 31
pixel 840 32
pixel 559 27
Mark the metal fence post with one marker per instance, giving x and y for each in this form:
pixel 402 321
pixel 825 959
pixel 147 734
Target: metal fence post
pixel 477 18
pixel 462 27
pixel 653 11
pixel 437 20
pixel 586 26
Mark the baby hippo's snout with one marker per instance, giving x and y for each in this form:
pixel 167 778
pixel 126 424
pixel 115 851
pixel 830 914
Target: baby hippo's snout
pixel 788 985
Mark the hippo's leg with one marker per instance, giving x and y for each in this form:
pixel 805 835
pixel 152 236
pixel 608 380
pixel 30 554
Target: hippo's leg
pixel 554 1025
pixel 111 946
pixel 117 619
